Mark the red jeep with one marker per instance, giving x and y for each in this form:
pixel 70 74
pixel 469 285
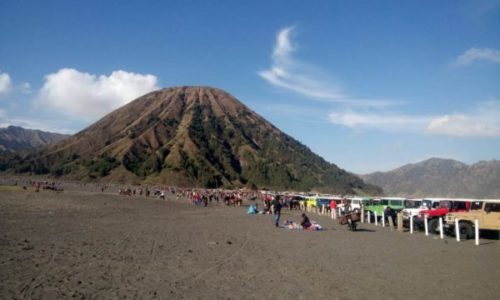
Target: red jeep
pixel 433 215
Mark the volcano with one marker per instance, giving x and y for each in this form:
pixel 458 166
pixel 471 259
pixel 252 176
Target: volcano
pixel 192 136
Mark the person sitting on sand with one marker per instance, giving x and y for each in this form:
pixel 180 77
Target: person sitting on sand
pixel 252 209
pixel 305 223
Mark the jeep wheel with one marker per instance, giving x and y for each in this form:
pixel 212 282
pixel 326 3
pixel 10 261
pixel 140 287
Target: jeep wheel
pixel 466 231
pixel 434 226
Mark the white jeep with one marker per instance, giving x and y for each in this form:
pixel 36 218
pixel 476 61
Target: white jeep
pixel 419 205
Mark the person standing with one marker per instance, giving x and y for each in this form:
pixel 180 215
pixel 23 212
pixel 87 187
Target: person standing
pixel 333 209
pixel 276 209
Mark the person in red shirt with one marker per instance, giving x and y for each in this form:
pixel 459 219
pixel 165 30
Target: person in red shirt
pixel 333 209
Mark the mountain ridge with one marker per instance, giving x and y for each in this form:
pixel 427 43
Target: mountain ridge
pixel 16 138
pixel 440 177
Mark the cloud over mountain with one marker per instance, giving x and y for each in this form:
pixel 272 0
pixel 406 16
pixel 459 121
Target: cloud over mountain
pixel 90 96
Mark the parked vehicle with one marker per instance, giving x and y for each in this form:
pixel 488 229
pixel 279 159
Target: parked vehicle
pixel 315 201
pixel 357 202
pixel 487 212
pixel 379 205
pixel 320 201
pixel 341 202
pixel 311 202
pixel 293 201
pixel 415 206
pixel 445 206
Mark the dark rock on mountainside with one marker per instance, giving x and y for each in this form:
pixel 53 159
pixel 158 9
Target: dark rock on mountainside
pixel 192 136
pixel 441 178
pixel 15 138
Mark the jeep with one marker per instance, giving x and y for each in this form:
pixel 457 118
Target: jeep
pixel 419 205
pixel 379 205
pixel 356 203
pixel 487 212
pixel 445 206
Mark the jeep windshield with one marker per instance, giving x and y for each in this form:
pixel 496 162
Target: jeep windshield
pixel 454 205
pixel 445 204
pixel 412 203
pixel 428 204
pixel 373 202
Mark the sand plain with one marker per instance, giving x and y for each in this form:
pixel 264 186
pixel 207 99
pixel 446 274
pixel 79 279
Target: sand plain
pixel 81 244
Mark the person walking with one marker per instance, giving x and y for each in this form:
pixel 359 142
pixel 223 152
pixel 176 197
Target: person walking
pixel 276 209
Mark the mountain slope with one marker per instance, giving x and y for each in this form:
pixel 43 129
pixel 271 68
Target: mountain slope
pixel 15 138
pixel 441 178
pixel 192 136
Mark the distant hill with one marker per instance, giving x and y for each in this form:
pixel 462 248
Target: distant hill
pixel 441 178
pixel 15 138
pixel 191 136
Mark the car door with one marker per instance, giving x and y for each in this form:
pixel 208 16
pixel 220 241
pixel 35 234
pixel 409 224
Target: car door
pixel 491 216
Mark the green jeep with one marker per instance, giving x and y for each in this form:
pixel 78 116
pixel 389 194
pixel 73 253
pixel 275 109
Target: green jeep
pixel 379 205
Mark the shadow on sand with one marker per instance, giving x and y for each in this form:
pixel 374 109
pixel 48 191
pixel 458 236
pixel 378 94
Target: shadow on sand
pixel 365 230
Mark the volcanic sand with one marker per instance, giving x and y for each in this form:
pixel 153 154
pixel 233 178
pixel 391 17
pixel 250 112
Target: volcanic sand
pixel 90 245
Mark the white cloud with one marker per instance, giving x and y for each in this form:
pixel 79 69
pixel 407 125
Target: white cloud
pixel 474 54
pixel 283 47
pixel 484 122
pixel 297 113
pixel 89 96
pixel 7 86
pixel 5 83
pixel 481 121
pixel 293 75
pixel 377 120
pixel 285 72
pixel 24 87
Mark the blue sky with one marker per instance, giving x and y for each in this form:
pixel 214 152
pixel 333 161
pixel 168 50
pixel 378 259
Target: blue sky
pixel 368 85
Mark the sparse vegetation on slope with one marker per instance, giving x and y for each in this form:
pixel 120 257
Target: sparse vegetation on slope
pixel 194 136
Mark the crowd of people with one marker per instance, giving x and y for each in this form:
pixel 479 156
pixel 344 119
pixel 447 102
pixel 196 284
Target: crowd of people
pixel 36 185
pixel 198 197
pixel 273 204
pixel 259 202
